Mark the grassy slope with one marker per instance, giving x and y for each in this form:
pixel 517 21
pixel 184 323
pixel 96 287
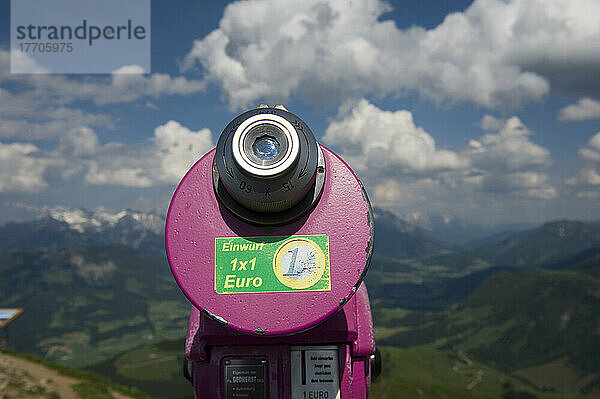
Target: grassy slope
pixel 87 385
pixel 155 369
pixel 425 372
pixel 538 325
pixel 84 305
pixel 518 320
pixel 549 243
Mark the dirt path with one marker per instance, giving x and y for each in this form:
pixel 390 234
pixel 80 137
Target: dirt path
pixel 465 365
pixel 20 378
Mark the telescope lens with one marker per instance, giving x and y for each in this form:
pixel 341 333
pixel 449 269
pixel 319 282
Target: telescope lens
pixel 265 148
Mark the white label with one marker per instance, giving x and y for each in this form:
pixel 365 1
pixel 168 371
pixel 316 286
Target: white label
pixel 315 372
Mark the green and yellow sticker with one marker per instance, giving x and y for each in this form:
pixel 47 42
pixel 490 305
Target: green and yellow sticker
pixel 272 264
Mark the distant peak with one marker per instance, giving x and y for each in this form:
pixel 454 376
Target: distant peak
pixel 565 227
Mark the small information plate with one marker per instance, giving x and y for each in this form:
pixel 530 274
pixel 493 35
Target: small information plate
pixel 315 372
pixel 272 264
pixel 245 379
pixel 8 315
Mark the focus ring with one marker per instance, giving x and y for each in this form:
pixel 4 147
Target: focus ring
pixel 270 181
pixel 249 165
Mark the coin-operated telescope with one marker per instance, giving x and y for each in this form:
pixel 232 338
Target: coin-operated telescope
pixel 270 236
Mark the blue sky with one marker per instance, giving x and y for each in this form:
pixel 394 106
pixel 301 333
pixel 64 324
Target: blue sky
pixel 486 110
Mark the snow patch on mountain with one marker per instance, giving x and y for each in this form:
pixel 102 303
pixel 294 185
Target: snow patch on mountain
pixel 84 221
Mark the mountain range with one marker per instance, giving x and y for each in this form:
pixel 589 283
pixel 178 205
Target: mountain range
pixel 410 265
pixel 63 227
pixel 422 232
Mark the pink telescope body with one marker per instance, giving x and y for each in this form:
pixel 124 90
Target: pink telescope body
pixel 270 236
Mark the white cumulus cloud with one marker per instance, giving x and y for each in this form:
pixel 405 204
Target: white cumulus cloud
pixel 584 109
pixel 498 54
pixel 402 163
pixel 20 62
pixel 587 180
pixel 375 141
pixel 525 184
pixel 179 148
pixel 22 168
pixel 586 177
pixel 122 86
pixel 164 160
pixel 505 160
pixel 508 150
pixel 29 115
pixel 39 106
pixel 591 152
pixel 119 173
pixel 79 142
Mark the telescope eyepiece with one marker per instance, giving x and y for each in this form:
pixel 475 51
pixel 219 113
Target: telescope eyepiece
pixel 268 167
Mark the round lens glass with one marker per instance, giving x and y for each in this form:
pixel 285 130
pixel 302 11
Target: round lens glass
pixel 265 148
